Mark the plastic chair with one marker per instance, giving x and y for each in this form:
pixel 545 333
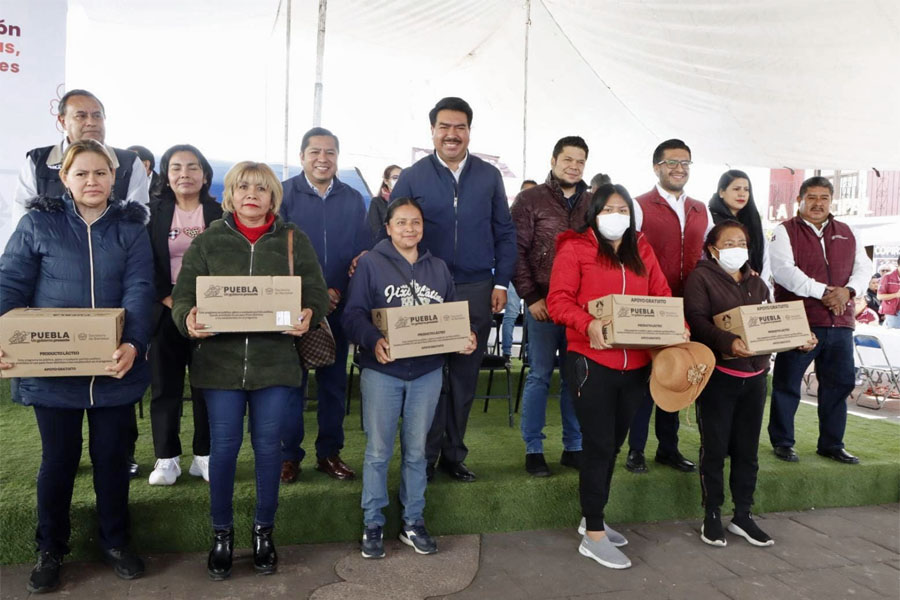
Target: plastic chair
pixel 876 370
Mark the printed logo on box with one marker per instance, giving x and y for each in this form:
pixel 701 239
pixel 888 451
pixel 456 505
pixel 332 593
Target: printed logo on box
pixel 222 291
pixel 412 321
pixel 726 322
pixel 24 337
pixel 18 337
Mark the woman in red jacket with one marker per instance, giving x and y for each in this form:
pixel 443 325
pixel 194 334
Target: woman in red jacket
pixel 605 256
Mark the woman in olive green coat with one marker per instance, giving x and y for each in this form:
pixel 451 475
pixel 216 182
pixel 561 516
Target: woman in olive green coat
pixel 240 370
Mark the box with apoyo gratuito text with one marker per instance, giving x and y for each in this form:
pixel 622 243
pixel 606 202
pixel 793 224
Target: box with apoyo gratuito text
pixel 60 342
pixel 640 321
pixel 424 329
pixel 767 328
pixel 250 303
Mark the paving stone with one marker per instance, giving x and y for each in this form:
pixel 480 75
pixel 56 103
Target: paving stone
pixel 742 558
pixel 403 574
pixel 827 584
pixel 880 578
pixel 642 594
pixel 762 587
pixel 684 564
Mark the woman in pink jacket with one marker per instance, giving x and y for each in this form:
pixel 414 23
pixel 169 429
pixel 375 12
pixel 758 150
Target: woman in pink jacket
pixel 605 256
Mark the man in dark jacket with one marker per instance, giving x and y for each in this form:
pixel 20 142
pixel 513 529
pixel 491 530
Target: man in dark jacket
pixel 333 215
pixel 821 261
pixel 540 214
pixel 675 225
pixel 467 225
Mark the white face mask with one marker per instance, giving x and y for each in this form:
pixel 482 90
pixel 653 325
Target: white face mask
pixel 391 183
pixel 613 226
pixel 732 259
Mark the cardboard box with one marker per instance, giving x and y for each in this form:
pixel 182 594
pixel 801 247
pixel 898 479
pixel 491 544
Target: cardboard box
pixel 248 303
pixel 640 321
pixel 424 329
pixel 60 342
pixel 767 328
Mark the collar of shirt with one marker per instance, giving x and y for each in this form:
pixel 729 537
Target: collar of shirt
pixel 459 167
pixel 818 231
pixel 56 156
pixel 316 190
pixel 668 197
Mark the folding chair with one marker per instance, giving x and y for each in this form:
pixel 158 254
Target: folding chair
pixel 875 366
pixel 494 361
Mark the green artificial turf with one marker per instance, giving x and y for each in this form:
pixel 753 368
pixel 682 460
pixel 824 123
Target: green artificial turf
pixel 504 498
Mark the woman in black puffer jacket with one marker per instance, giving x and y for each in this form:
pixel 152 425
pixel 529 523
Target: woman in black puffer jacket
pixel 83 251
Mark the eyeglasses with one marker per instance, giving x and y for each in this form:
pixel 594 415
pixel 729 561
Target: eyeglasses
pixel 671 164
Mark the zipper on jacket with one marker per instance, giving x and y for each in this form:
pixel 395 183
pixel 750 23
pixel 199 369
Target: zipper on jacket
pixel 324 237
pixel 93 298
pixel 247 338
pixel 455 217
pixel 624 351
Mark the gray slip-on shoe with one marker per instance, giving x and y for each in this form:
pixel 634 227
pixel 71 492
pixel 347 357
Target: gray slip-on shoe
pixel 616 539
pixel 603 552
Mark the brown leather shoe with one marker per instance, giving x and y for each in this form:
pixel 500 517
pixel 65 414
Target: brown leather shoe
pixel 333 466
pixel 290 470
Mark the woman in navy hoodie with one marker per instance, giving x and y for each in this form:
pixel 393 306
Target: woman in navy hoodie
pixel 396 273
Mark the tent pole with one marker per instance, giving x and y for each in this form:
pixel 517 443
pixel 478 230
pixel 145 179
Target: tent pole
pixel 287 91
pixel 525 93
pixel 320 55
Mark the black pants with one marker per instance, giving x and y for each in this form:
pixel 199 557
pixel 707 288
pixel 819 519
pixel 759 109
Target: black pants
pixel 170 354
pixel 461 380
pixel 605 401
pixel 61 443
pixel 729 416
pixel 666 427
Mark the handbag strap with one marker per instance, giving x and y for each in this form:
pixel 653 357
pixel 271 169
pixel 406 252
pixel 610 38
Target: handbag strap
pixel 412 288
pixel 291 251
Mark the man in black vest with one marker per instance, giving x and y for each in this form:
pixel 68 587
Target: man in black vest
pixel 81 116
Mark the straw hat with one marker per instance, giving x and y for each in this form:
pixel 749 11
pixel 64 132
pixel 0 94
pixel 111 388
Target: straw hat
pixel 679 374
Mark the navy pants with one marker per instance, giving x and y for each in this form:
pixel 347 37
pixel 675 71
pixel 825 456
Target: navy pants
pixel 331 382
pixel 61 443
pixel 666 427
pixel 836 374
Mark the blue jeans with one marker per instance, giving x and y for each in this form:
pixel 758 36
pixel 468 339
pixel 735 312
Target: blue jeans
pixel 331 382
pixel 512 310
pixel 545 338
pixel 385 399
pixel 836 375
pixel 226 430
pixel 890 321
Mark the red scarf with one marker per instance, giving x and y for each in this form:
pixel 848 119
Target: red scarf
pixel 254 233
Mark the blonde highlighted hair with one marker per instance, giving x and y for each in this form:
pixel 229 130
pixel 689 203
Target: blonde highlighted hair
pixel 86 145
pixel 252 173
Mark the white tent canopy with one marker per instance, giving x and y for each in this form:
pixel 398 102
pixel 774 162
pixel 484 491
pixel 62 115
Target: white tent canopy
pixel 806 83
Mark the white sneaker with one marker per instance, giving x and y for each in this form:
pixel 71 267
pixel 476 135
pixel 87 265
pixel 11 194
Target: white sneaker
pixel 165 471
pixel 200 467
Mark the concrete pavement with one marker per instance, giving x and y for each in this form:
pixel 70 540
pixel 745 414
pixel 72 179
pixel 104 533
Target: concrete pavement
pixel 837 554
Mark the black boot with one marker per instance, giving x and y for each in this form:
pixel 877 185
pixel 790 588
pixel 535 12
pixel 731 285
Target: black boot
pixel 219 564
pixel 265 559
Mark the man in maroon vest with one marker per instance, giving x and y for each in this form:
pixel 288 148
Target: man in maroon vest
pixel 820 261
pixel 675 226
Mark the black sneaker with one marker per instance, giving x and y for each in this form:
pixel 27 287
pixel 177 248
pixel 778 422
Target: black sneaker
pixel 45 574
pixel 711 531
pixel 571 458
pixel 743 525
pixel 416 536
pixel 124 562
pixel 372 542
pixel 536 466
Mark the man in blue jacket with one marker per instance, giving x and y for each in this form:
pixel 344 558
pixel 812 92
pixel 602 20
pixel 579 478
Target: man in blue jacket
pixel 333 215
pixel 467 225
